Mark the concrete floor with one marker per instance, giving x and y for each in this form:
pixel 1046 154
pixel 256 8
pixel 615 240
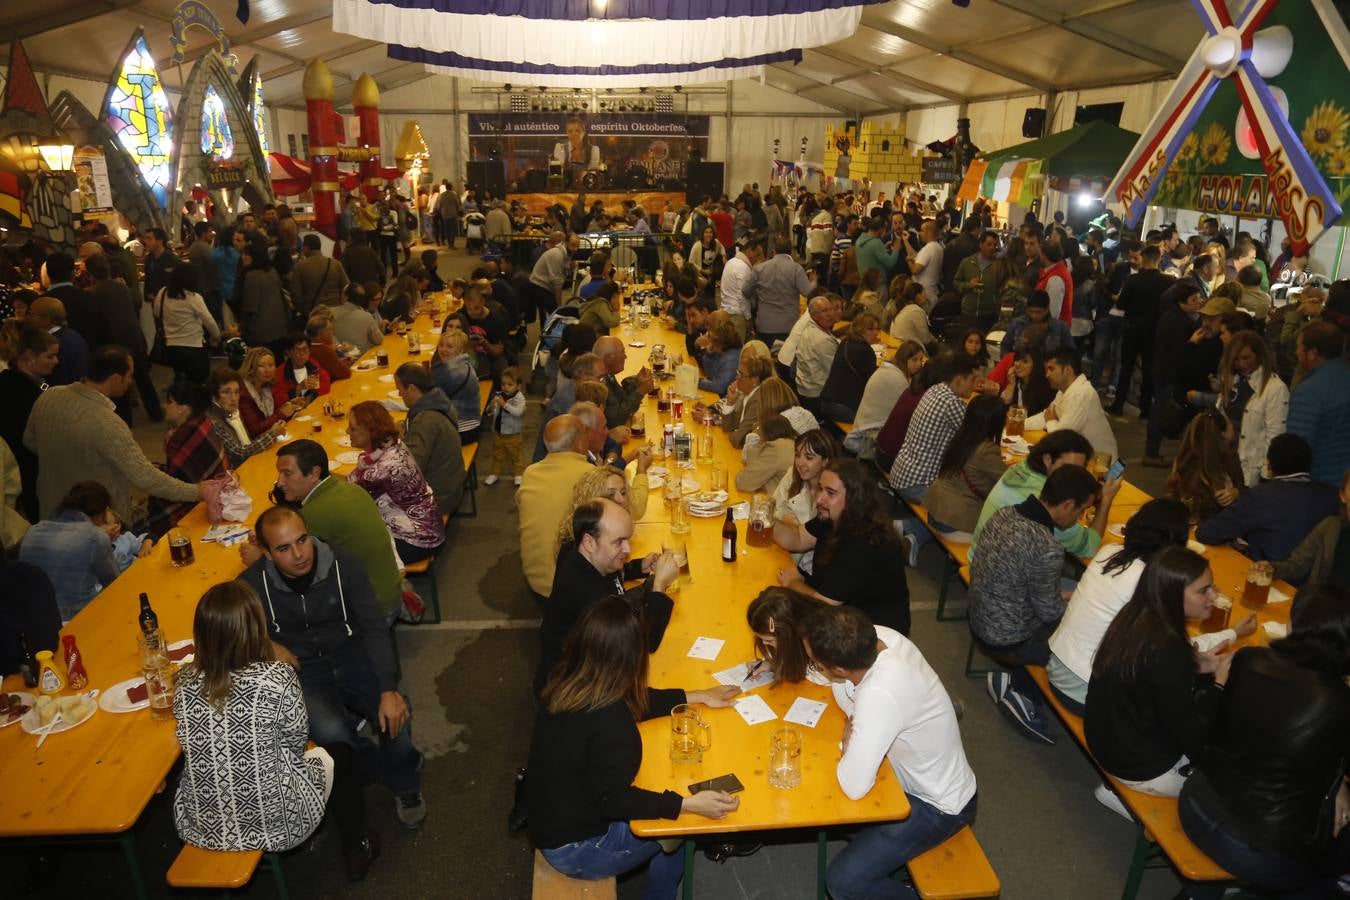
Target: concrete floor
pixel 468 679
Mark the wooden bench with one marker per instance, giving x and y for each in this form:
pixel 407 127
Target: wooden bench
pixel 958 555
pixel 223 870
pixel 550 884
pixel 1160 835
pixel 956 869
pixel 470 454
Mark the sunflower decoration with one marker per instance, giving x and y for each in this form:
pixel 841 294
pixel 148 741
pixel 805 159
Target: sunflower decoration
pixel 1324 129
pixel 1214 145
pixel 1338 163
pixel 1188 148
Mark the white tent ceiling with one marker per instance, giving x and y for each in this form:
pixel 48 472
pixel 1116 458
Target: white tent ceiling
pixel 907 54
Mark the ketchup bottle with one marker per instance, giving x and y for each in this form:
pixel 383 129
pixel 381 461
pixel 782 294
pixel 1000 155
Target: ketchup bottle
pixel 76 677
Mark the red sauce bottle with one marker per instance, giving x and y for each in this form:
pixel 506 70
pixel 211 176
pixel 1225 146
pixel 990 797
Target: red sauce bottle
pixel 76 677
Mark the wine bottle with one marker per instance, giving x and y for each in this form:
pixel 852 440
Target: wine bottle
pixel 728 538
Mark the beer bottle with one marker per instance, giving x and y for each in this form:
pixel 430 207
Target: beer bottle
pixel 728 538
pixel 27 663
pixel 149 621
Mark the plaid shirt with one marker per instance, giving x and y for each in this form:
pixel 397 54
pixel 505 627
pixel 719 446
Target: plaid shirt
pixel 936 419
pixel 193 454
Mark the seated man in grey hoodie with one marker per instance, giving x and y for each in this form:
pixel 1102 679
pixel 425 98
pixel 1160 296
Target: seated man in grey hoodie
pixel 432 435
pixel 1015 595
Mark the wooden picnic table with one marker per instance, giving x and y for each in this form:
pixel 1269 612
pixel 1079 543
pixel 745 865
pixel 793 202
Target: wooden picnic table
pixel 714 605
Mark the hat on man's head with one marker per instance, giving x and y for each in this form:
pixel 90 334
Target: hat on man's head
pixel 1217 306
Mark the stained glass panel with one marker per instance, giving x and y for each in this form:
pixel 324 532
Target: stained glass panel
pixel 217 137
pixel 259 114
pixel 138 113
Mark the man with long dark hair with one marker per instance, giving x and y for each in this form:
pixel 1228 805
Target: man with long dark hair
pixel 858 555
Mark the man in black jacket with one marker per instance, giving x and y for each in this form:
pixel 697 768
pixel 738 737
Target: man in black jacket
pixel 1140 298
pixel 595 567
pixel 324 621
pixel 1179 333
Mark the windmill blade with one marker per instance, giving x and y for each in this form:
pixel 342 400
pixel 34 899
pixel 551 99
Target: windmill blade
pixel 1303 200
pixel 1214 14
pixel 1143 169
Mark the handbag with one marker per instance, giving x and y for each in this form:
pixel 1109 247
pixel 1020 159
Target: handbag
pixel 225 499
pixel 159 348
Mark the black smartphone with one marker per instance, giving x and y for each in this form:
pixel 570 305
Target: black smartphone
pixel 1116 469
pixel 729 783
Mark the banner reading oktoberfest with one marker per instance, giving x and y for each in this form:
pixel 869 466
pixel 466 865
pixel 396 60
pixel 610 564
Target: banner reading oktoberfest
pixel 591 151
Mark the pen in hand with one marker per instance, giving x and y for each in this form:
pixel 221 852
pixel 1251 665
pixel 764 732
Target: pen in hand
pixel 752 669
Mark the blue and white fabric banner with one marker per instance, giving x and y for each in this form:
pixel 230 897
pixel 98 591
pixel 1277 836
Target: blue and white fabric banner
pixel 649 75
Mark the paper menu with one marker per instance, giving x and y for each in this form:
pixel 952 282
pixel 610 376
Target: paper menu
pixel 706 648
pixel 737 675
pixel 805 712
pixel 754 710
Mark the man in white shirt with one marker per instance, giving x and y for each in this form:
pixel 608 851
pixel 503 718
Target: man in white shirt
pixel 926 265
pixel 738 284
pixel 897 710
pixel 1077 406
pixel 815 351
pixel 877 203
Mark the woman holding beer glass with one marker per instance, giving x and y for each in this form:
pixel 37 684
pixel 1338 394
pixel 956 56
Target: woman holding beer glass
pixel 586 750
pixel 1027 386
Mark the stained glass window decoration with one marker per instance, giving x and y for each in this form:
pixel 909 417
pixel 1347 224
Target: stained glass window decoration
pixel 217 137
pixel 259 114
pixel 138 114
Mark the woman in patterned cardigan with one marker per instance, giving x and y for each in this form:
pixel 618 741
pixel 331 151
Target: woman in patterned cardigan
pixel 248 782
pixel 226 387
pixel 388 472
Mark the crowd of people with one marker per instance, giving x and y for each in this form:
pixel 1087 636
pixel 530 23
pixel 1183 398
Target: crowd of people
pixel 845 438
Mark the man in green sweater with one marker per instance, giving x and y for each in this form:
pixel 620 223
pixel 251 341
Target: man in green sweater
pixel 974 279
pixel 338 513
pixel 871 253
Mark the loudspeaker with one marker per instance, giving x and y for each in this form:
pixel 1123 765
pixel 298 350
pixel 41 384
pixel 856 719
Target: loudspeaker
pixel 488 175
pixel 705 179
pixel 1033 123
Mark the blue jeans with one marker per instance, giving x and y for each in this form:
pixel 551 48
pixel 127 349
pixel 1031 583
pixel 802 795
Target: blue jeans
pixel 1207 823
pixel 340 685
pixel 616 851
pixel 863 868
pixel 1110 330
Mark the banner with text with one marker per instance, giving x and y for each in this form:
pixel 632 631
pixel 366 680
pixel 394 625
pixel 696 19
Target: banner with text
pixel 596 152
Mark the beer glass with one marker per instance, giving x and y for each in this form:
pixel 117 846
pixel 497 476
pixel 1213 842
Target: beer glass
pixel 719 477
pixel 180 547
pixel 679 516
pixel 1016 424
pixel 1257 588
pixel 785 758
pixel 689 735
pixel 1218 614
pixel 705 448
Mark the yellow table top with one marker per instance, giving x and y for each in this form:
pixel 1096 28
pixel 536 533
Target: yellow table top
pixel 98 777
pixel 714 605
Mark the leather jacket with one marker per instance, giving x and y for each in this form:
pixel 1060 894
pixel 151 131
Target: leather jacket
pixel 1278 751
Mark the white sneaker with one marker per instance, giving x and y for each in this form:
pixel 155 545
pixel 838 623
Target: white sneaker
pixel 1107 797
pixel 490 480
pixel 518 480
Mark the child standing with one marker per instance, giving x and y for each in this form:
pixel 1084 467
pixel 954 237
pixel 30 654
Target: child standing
pixel 507 409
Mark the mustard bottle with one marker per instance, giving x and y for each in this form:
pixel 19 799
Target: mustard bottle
pixel 49 679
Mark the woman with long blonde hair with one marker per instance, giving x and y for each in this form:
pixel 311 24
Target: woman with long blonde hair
pixel 248 782
pixel 606 481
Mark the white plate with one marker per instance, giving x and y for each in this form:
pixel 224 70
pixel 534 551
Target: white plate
pixel 303 419
pixel 115 700
pixel 1017 445
pixel 395 394
pixel 26 699
pixel 714 512
pixel 32 724
pixel 1197 547
pixel 387 379
pixel 1117 530
pixel 364 366
pixel 350 458
pixel 334 464
pixel 636 344
pixel 689 485
pixel 654 482
pixel 343 441
pixel 658 471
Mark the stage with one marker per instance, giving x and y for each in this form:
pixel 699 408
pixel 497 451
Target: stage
pixel 654 202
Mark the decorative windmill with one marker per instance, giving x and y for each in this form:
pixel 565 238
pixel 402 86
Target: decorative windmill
pixel 1236 49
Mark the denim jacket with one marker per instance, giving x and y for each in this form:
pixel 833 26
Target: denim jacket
pixel 76 555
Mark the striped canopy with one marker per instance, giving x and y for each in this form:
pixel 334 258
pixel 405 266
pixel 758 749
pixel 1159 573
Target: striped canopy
pixel 1080 158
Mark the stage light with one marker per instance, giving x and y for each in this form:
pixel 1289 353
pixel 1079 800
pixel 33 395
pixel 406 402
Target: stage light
pixel 1086 199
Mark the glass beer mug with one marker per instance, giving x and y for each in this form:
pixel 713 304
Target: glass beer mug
pixel 785 758
pixel 689 735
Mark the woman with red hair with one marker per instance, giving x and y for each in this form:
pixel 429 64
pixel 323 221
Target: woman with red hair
pixel 388 472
